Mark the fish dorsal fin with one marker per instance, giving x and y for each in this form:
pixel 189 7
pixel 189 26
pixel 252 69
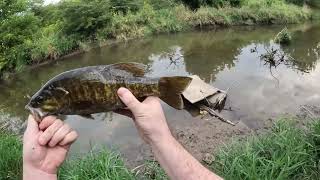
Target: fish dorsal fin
pixel 135 69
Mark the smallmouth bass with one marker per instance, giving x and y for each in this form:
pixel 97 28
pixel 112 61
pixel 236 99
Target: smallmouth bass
pixel 93 89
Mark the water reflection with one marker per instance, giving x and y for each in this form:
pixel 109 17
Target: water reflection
pixel 226 58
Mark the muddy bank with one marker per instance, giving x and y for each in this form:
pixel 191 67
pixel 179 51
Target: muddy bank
pixel 205 135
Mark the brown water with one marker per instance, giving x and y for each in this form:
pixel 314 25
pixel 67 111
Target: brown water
pixel 226 58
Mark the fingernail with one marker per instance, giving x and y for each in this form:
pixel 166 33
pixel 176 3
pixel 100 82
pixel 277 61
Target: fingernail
pixel 122 91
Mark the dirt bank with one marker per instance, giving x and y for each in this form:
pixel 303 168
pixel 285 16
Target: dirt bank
pixel 202 136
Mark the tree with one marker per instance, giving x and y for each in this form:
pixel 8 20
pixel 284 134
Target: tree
pixel 195 4
pixel 11 7
pixel 17 25
pixel 124 6
pixel 83 18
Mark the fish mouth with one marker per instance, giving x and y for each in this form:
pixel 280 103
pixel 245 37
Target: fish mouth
pixel 37 113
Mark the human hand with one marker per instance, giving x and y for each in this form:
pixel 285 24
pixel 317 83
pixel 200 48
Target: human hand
pixel 148 116
pixel 45 147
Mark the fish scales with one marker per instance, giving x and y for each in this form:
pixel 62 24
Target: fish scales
pixel 93 89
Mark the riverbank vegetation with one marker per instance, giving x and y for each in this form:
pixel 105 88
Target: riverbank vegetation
pixel 286 151
pixel 31 32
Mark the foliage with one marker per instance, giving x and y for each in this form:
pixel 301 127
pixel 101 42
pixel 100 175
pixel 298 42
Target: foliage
pixel 146 21
pixel 195 4
pixel 314 3
pixel 125 6
pixel 31 32
pixel 49 43
pixel 297 2
pixel 83 18
pixel 163 4
pixel 10 8
pixel 284 37
pixel 284 153
pixel 15 32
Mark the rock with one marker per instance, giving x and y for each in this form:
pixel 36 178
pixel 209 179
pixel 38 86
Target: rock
pixel 208 158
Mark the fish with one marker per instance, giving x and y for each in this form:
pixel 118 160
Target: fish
pixel 89 90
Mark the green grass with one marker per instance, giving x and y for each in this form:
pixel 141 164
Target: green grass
pixel 286 151
pixel 10 157
pixel 96 165
pixel 254 12
pixel 99 165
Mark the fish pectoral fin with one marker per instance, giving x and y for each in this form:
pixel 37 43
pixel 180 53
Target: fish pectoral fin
pixel 87 116
pixel 136 69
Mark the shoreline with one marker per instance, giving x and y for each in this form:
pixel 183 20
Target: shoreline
pixel 111 42
pixel 136 25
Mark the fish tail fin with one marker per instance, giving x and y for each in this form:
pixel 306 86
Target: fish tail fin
pixel 171 89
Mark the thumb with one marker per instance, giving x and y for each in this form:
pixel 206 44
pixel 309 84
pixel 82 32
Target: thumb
pixel 129 100
pixel 32 126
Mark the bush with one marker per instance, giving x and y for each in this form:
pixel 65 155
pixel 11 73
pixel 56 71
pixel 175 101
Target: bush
pixel 146 21
pixel 124 6
pixel 163 4
pixel 49 43
pixel 297 2
pixel 83 18
pixel 15 32
pixel 195 4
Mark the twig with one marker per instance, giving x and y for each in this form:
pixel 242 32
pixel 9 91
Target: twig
pixel 213 113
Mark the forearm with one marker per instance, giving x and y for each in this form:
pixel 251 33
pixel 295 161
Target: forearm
pixel 178 163
pixel 30 173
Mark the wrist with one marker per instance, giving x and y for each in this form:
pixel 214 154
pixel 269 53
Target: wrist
pixel 31 173
pixel 162 139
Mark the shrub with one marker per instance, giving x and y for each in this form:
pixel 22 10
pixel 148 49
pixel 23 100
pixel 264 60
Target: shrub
pixel 85 17
pixel 297 2
pixel 124 6
pixel 15 32
pixel 195 4
pixel 49 43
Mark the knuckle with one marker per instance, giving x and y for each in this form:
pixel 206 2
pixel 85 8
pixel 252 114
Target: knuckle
pixel 58 123
pixel 52 143
pixel 67 127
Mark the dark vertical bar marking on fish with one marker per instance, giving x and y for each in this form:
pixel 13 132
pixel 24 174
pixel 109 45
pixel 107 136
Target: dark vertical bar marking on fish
pixel 94 89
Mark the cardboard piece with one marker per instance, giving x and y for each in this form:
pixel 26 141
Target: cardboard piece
pixel 198 90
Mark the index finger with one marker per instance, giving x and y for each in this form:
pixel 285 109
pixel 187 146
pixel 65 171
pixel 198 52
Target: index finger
pixel 32 126
pixel 46 122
